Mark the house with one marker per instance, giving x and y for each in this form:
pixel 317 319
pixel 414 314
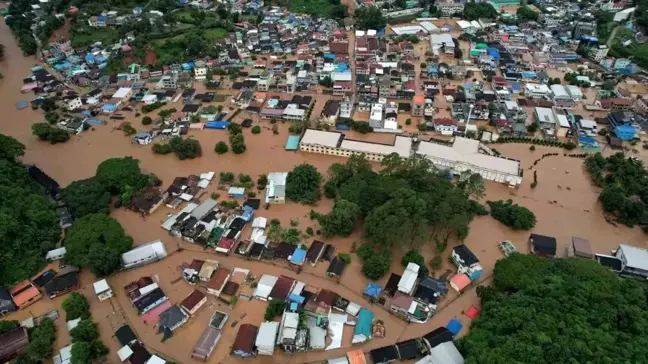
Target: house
pixel 66 280
pixel 441 43
pixel 430 290
pixel 74 103
pixel 386 354
pixel 55 254
pixel 266 338
pixel 336 267
pixel 244 342
pixel 281 288
pixel 444 353
pixel 143 138
pixel 579 247
pixel 287 337
pixel 144 254
pixel 437 336
pixel 459 281
pixel 172 318
pixel 122 94
pixel 210 337
pixel 200 73
pixel 218 280
pixel 102 290
pixel 147 302
pixel 363 327
pixel 13 343
pixel 314 252
pixel 447 126
pixel 194 301
pixel 463 258
pixel 6 303
pixel 276 188
pixel 264 287
pixel 125 335
pixel 535 90
pixel 331 112
pixel 236 192
pixel 634 259
pixel 207 270
pixel 542 245
pixel 418 105
pixel 409 278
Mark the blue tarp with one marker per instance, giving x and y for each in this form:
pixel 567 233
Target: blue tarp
pixel 432 69
pixel 298 256
pixel 109 108
pixel 95 121
pixel 216 124
pixel 625 132
pixel 372 290
pixel 295 298
pixel 454 326
pixel 342 127
pixel 248 213
pixel 188 66
pixel 342 67
pixel 21 105
pixel 529 74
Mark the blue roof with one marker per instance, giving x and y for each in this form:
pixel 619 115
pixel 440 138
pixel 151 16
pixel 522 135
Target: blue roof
pixel 363 325
pixel 295 298
pixel 216 124
pixel 101 18
pixel 625 132
pixel 432 69
pixel 109 107
pixel 342 67
pixel 372 290
pixel 298 256
pixel 454 326
pixel 89 57
pixel 248 213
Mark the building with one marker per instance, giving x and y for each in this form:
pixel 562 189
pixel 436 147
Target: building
pixel 267 337
pixel 418 105
pixel 598 53
pixel 244 342
pixel 172 318
pixel 634 259
pixel 464 155
pixel 194 301
pixel 168 82
pixel 200 73
pixel 55 254
pixel 210 337
pixel 288 328
pixel 579 247
pixel 363 328
pixel 335 143
pixel 102 290
pixel 545 117
pixel 560 93
pixel 276 188
pixel 376 116
pixel 123 94
pixel 582 28
pixel 218 281
pixel 537 91
pixel 144 254
pixel 442 43
pixel 6 303
pixel 336 268
pixel 444 353
pixel 65 280
pixel 24 294
pixel 13 343
pixel 408 280
pixel 574 92
pixel 542 245
pixel 293 113
pixel 446 126
pixel 450 7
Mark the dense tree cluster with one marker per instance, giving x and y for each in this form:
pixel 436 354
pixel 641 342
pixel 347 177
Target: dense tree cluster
pixel 512 215
pixel 625 186
pixel 524 13
pixel 87 196
pixel 29 226
pixel 405 204
pixel 52 134
pixel 303 184
pixel 341 220
pixel 236 139
pixel 97 241
pixel 41 343
pixel 474 11
pixel 76 306
pixel 85 336
pixel 20 22
pixel 541 311
pixel 185 148
pixel 370 18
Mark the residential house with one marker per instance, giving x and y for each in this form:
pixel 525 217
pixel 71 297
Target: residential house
pixel 341 88
pixel 6 303
pixel 144 254
pixel 172 318
pixel 192 303
pixel 579 247
pixel 542 245
pixel 24 294
pixel 287 337
pixel 293 113
pixel 444 353
pixel 376 116
pixel 243 345
pixel 168 82
pixel 409 279
pixel 535 90
pixel 336 267
pixel 447 126
pixel 346 107
pixel 218 281
pixel 267 337
pixel 200 73
pixel 102 290
pixel 331 111
pixel 418 106
pixel 634 259
pixel 466 261
pixel 210 337
pixel 66 280
pixel 13 343
pixel 276 188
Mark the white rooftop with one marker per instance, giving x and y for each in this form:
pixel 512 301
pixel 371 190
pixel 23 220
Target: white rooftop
pixel 267 334
pixel 124 353
pixel 156 360
pixel 320 137
pixel 265 285
pixel 466 151
pixel 438 39
pixel 402 146
pixel 587 124
pixel 122 92
pixel 545 115
pixel 428 26
pixel 407 281
pixel 538 89
pixel 635 257
pixel 559 91
pixel 101 286
pixel 464 24
pixel 409 29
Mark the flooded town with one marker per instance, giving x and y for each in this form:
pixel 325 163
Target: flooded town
pixel 295 182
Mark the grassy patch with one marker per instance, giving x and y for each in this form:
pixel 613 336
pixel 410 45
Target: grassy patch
pixel 321 8
pixel 215 34
pixel 103 35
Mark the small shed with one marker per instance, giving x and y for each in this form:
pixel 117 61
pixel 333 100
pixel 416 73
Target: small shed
pixel 336 267
pixel 459 282
pixel 55 254
pixel 454 326
pixel 236 192
pixel 579 247
pixel 102 290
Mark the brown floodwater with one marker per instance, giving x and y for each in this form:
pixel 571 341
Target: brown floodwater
pixel 564 202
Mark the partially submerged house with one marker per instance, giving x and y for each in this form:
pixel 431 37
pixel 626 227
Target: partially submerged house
pixel 244 342
pixel 144 254
pixel 314 252
pixel 466 261
pixel 66 280
pixel 363 327
pixel 194 301
pixel 264 287
pixel 210 337
pixel 24 294
pixel 634 259
pixel 13 343
pixel 102 290
pixel 172 318
pixel 276 188
pixel 542 245
pixel 6 303
pixel 218 280
pixel 579 247
pixel 267 337
pixel 409 278
pixel 336 268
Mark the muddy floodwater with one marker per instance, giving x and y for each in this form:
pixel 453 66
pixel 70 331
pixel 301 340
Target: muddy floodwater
pixel 564 203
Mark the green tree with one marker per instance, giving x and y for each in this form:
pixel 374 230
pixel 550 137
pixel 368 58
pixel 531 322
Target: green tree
pixel 147 120
pixel 234 129
pixel 185 148
pixel 326 82
pixel 341 220
pixel 46 132
pixel 475 11
pixel 76 306
pixel 86 330
pixel 81 353
pixel 96 241
pixel 256 129
pixel 52 117
pixel 87 196
pixel 41 341
pixel 117 173
pixel 376 266
pixel 303 184
pixel 369 18
pixel 165 113
pixel 524 13
pixel 129 130
pixel 163 149
pixel 10 148
pixel 262 181
pixel 221 148
pixel 7 326
pixel 237 143
pixel 513 215
pixel 274 309
pixel 608 85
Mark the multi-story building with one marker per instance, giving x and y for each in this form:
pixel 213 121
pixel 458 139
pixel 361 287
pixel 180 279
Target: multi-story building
pixel 598 53
pixel 449 8
pixel 346 107
pixel 334 143
pixel 582 28
pixel 294 113
pixel 418 106
pixel 376 116
pixel 168 81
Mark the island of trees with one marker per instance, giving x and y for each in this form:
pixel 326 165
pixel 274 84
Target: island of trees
pixel 546 311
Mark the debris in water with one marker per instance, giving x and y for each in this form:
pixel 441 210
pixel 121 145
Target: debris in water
pixel 568 189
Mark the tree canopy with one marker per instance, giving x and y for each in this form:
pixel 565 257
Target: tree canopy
pixel 76 306
pixel 541 311
pixel 370 18
pixel 29 226
pixel 117 173
pixel 524 13
pixel 513 215
pixel 54 135
pixel 475 11
pixel 185 148
pixel 625 186
pixel 340 220
pixel 87 196
pixel 96 241
pixel 303 184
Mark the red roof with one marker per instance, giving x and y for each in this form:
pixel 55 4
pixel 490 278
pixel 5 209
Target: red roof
pixel 459 282
pixel 342 84
pixel 153 316
pixel 24 292
pixel 339 47
pixel 225 243
pixel 282 288
pixel 472 312
pixel 190 302
pixel 445 121
pixel 219 278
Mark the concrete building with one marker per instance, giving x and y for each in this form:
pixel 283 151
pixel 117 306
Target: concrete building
pixel 418 106
pixel 293 113
pixel 449 8
pixel 438 42
pixel 582 28
pixel 276 188
pixel 464 155
pixel 200 73
pixel 376 116
pixel 598 53
pixel 536 90
pixel 334 143
pixel 102 290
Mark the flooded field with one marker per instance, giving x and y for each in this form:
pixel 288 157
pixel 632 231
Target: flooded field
pixel 564 203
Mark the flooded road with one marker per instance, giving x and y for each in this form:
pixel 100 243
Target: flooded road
pixel 564 203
